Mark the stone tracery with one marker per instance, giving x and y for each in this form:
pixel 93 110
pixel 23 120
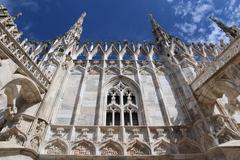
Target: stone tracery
pixel 122 99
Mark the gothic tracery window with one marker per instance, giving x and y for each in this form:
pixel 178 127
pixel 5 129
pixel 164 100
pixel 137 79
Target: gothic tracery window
pixel 121 106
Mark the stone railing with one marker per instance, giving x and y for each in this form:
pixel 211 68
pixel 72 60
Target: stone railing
pixel 14 50
pixel 221 61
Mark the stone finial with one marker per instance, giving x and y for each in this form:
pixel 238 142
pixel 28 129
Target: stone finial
pixel 91 46
pixel 17 16
pixel 231 32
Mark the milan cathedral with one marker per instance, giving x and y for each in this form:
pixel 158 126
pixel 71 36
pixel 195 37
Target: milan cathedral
pixel 166 99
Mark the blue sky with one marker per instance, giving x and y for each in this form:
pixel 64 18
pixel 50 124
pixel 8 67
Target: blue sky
pixel 124 19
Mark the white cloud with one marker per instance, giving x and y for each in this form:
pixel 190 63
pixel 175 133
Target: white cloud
pixel 183 9
pixel 201 30
pixel 231 4
pixel 169 1
pixel 194 16
pixel 197 10
pixel 187 28
pixel 200 11
pixel 27 27
pixel 216 34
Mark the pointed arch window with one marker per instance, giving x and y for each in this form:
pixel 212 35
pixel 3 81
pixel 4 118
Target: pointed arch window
pixel 121 106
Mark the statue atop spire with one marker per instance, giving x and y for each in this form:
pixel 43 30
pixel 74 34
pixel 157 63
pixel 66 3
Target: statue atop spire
pixel 75 31
pixel 231 32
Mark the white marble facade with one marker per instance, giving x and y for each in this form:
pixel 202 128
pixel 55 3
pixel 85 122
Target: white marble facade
pixel 112 100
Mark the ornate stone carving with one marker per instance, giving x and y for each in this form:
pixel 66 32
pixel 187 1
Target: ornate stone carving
pixel 135 151
pixel 109 151
pixel 161 147
pixel 136 132
pixel 111 148
pixel 40 127
pixel 138 148
pixel 109 133
pixel 13 135
pixel 60 132
pixel 84 148
pixel 34 143
pixel 56 148
pixel 84 133
pixel 160 133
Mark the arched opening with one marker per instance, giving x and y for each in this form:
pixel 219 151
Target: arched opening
pixel 122 104
pixel 21 94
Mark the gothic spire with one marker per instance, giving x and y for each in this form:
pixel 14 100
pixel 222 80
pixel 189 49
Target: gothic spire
pixel 160 34
pixel 75 31
pixel 231 32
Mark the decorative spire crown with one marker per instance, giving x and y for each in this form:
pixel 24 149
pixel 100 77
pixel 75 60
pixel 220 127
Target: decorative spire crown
pixel 231 32
pixel 160 34
pixel 75 31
